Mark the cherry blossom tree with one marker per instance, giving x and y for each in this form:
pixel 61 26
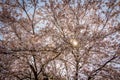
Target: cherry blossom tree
pixel 60 39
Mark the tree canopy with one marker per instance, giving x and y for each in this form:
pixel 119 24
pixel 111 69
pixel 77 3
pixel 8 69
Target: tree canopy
pixel 59 39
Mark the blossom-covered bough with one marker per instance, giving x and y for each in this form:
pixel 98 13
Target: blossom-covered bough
pixel 59 39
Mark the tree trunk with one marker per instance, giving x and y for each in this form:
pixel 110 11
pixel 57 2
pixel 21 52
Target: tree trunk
pixel 34 72
pixel 77 69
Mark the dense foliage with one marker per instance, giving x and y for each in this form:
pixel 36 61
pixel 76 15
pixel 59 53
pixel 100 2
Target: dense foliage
pixel 59 40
